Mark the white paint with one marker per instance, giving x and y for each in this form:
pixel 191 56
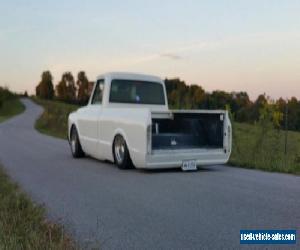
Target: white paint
pixel 98 124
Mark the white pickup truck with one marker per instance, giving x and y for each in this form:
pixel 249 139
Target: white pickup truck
pixel 127 121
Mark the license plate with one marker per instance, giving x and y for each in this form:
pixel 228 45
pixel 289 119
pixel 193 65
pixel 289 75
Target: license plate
pixel 189 165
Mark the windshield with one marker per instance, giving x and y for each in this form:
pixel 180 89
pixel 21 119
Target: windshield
pixel 137 92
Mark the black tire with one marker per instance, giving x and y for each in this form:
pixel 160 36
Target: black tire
pixel 75 145
pixel 123 161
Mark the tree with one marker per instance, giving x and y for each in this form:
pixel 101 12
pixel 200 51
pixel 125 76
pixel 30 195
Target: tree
pixel 5 95
pixel 1 98
pixel 219 99
pixel 196 97
pixel 83 88
pixel 260 103
pixel 176 91
pixel 66 89
pixel 61 90
pixel 293 114
pixel 181 95
pixel 240 105
pixel 45 88
pixel 71 88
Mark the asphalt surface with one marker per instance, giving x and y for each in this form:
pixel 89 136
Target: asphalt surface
pixel 102 206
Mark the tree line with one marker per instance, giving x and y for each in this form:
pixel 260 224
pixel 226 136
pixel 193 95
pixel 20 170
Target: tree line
pixel 67 90
pixel 282 112
pixel 5 95
pixel 184 96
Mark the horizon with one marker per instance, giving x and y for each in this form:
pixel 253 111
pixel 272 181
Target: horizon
pixel 252 47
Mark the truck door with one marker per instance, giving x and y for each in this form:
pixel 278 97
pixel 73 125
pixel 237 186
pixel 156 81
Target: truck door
pixel 92 117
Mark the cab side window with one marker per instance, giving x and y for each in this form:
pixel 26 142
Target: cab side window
pixel 98 92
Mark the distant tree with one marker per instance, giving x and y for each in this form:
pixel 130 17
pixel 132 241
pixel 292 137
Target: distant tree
pixel 282 105
pixel 71 88
pixel 1 99
pixel 176 90
pixel 196 97
pixel 290 110
pixel 240 106
pixel 239 100
pixel 219 99
pixel 6 94
pixel 45 88
pixel 180 95
pixel 83 88
pixel 25 93
pixel 292 107
pixel 66 89
pixel 37 90
pixel 255 110
pixel 293 114
pixel 61 89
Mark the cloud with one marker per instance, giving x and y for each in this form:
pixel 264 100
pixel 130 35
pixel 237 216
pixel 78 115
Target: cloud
pixel 174 54
pixel 171 56
pixel 250 39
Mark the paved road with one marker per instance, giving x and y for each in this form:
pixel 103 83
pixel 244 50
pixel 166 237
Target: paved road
pixel 107 207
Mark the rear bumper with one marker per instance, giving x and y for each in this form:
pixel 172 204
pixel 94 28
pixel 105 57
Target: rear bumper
pixel 174 158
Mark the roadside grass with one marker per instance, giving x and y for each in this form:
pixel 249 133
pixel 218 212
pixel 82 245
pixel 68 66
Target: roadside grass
pixel 22 223
pixel 258 149
pixel 54 120
pixel 252 147
pixel 10 108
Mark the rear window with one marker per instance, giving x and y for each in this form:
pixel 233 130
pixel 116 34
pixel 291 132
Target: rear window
pixel 136 92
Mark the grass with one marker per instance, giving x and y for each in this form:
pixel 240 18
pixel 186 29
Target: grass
pixel 54 120
pixel 252 146
pixel 256 148
pixel 10 108
pixel 22 223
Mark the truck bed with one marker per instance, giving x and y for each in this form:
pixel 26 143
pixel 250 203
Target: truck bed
pixel 188 130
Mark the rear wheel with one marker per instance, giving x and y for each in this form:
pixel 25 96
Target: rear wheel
pixel 121 153
pixel 75 145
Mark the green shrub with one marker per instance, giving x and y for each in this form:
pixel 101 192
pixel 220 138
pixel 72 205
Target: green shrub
pixel 5 94
pixel 54 120
pixel 10 105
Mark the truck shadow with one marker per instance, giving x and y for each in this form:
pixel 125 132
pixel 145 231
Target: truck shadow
pixel 201 169
pixel 177 170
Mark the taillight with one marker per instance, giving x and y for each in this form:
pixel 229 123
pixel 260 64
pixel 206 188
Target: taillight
pixel 229 138
pixel 149 139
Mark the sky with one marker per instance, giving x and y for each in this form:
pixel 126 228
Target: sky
pixel 251 46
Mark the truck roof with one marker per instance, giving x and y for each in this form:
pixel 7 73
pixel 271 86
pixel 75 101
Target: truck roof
pixel 130 76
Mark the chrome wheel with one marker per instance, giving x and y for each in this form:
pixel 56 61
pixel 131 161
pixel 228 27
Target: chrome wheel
pixel 119 149
pixel 73 142
pixel 75 145
pixel 121 154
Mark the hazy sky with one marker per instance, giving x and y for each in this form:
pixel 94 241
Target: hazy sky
pixel 230 45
